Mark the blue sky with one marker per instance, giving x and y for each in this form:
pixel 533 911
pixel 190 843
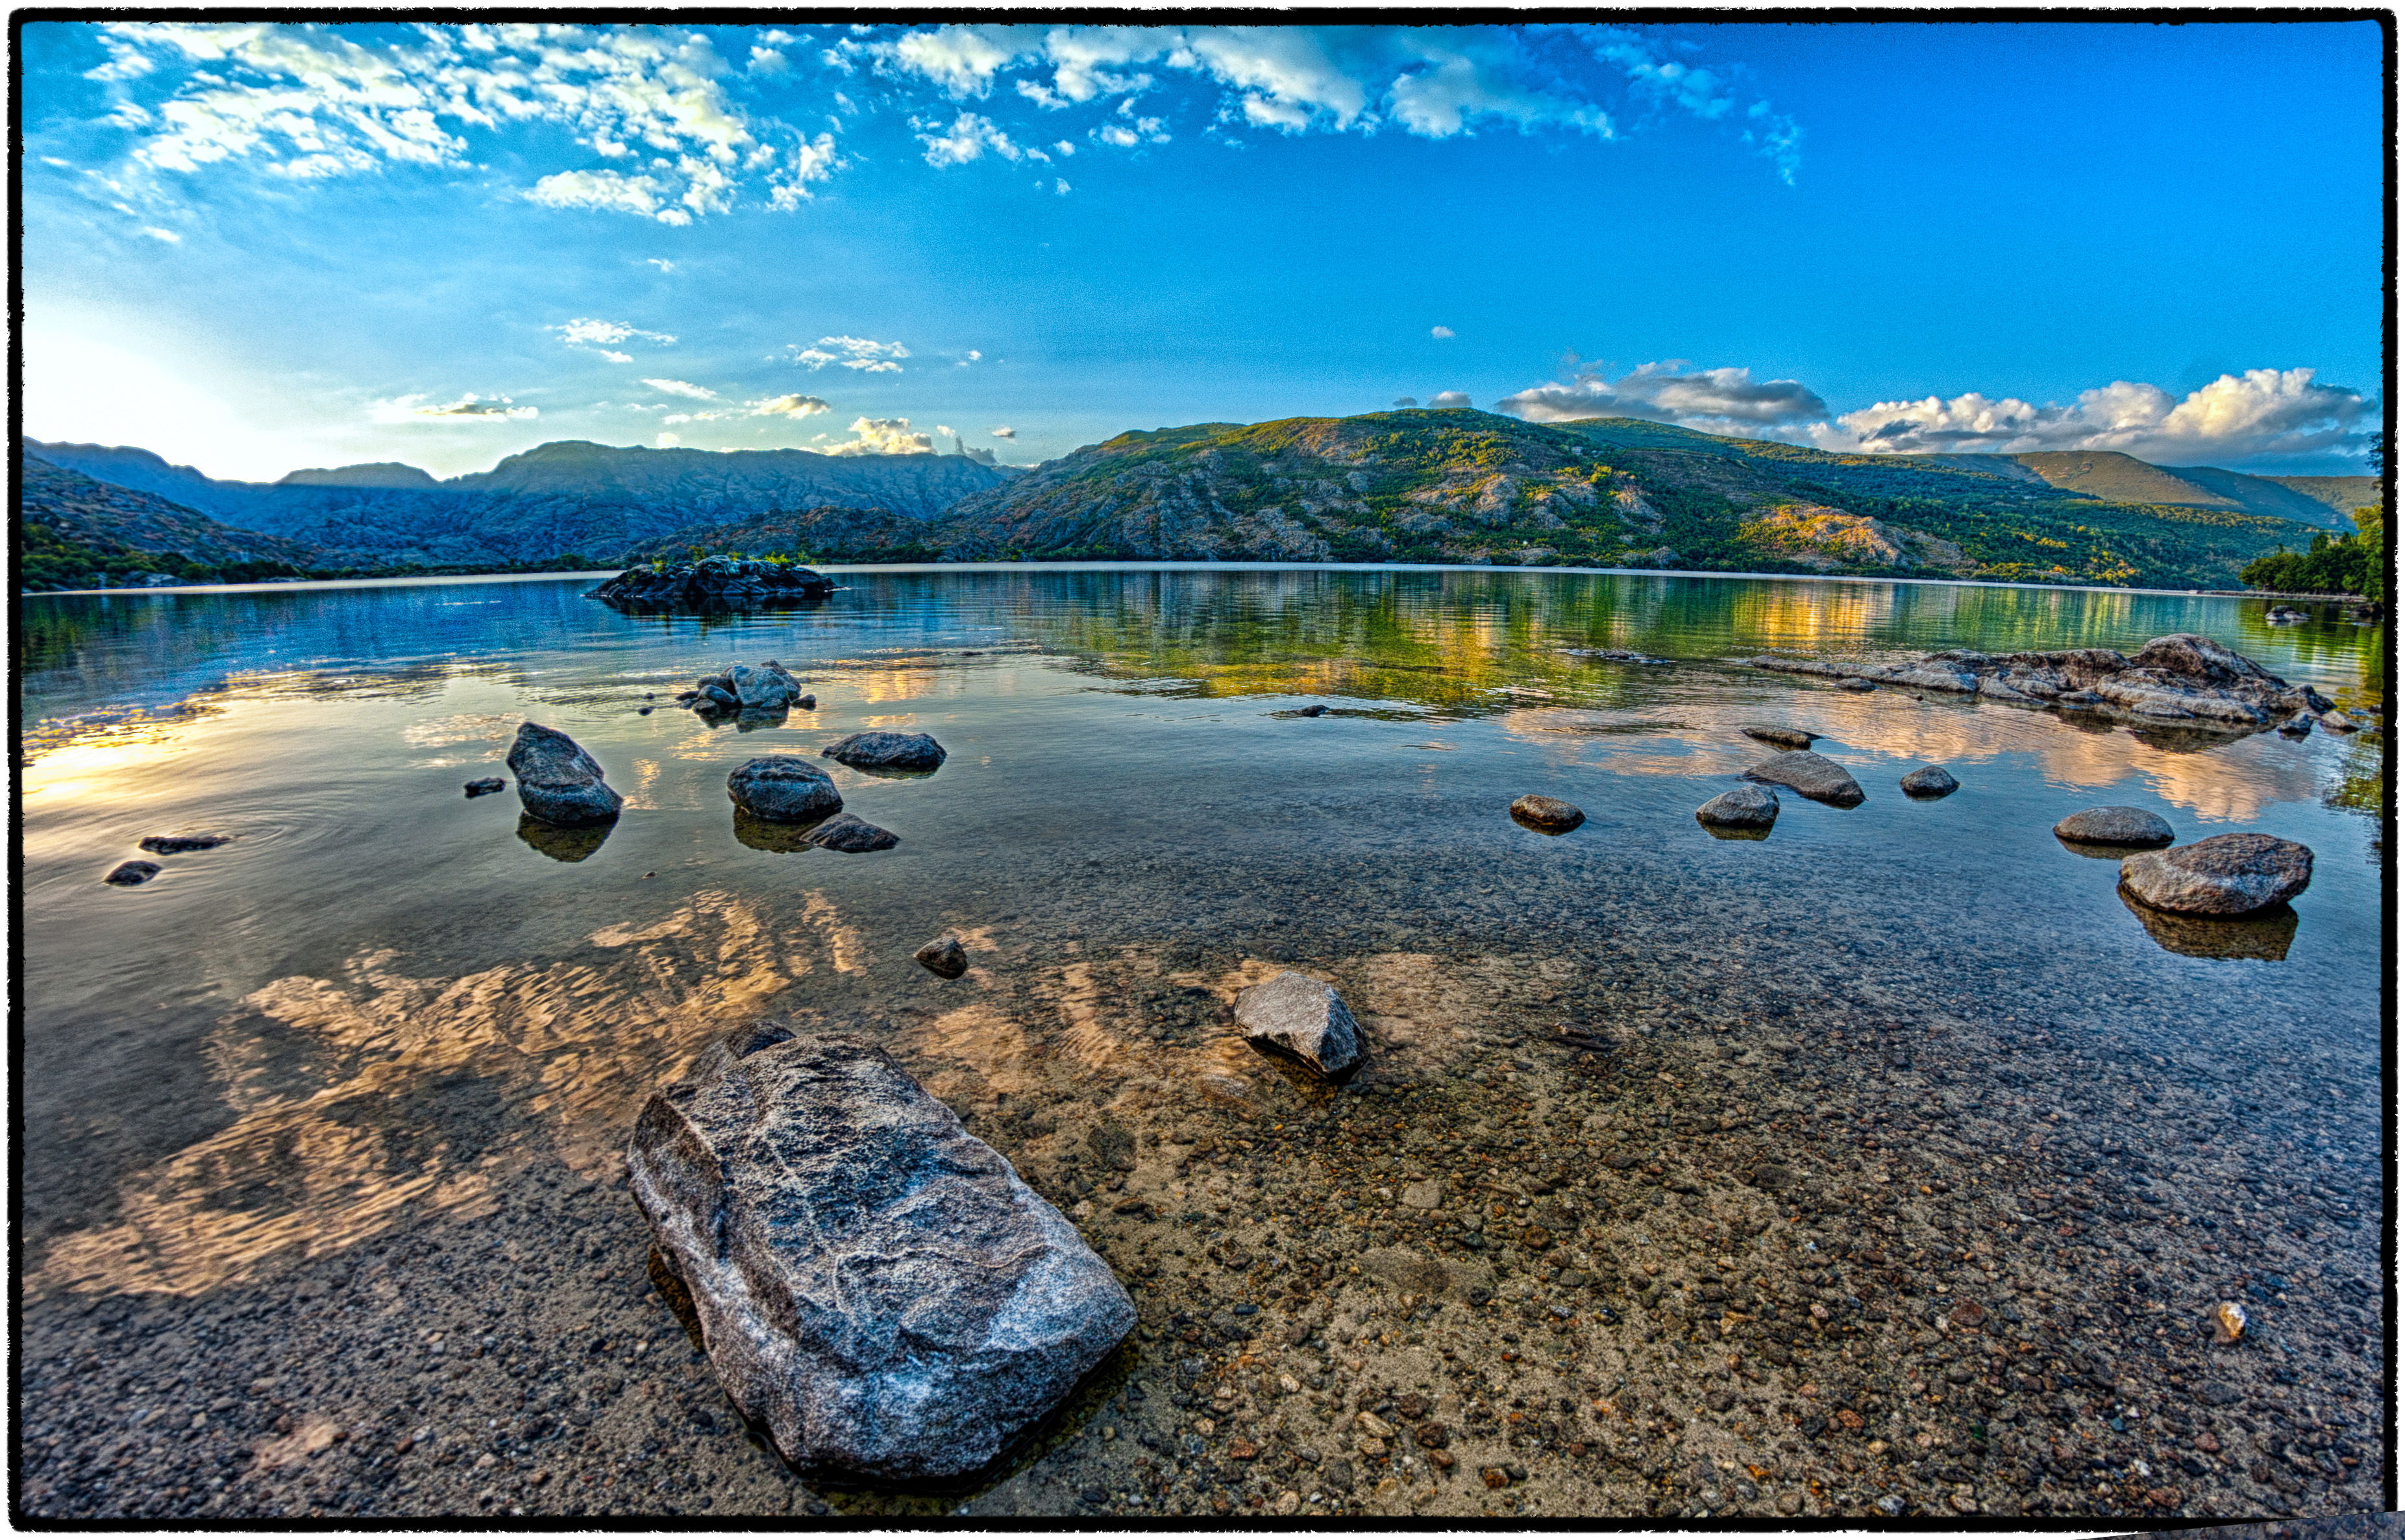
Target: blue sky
pixel 254 248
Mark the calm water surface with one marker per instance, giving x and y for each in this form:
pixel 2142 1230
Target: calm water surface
pixel 340 1020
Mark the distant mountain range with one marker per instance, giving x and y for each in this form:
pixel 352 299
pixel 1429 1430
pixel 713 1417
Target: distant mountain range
pixel 76 532
pixel 1411 486
pixel 568 497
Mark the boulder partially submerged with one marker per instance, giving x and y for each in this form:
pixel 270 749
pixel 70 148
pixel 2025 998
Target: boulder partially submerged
pixel 1810 775
pixel 131 874
pixel 1741 807
pixel 912 753
pixel 176 844
pixel 745 690
pixel 2114 826
pixel 943 957
pixel 783 789
pixel 1547 815
pixel 1302 1018
pixel 2180 678
pixel 715 583
pixel 560 782
pixel 1780 738
pixel 1930 780
pixel 2225 874
pixel 853 835
pixel 873 1285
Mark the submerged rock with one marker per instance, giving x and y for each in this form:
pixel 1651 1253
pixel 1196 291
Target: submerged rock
pixel 874 1285
pixel 783 789
pixel 1782 737
pixel 1547 815
pixel 2230 1317
pixel 1810 775
pixel 943 958
pixel 485 786
pixel 1741 807
pixel 176 844
pixel 909 751
pixel 1302 1017
pixel 131 874
pixel 851 836
pixel 1930 780
pixel 2225 874
pixel 558 782
pixel 2114 826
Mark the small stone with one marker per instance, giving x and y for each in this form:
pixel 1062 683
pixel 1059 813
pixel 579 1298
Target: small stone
pixel 1303 1017
pixel 853 835
pixel 1930 780
pixel 2225 874
pixel 1374 1425
pixel 176 844
pixel 1741 807
pixel 1312 711
pixel 2114 826
pixel 783 789
pixel 131 874
pixel 1782 737
pixel 808 702
pixel 1810 775
pixel 2300 725
pixel 943 958
pixel 914 752
pixel 1857 686
pixel 2338 721
pixel 1547 815
pixel 1423 1194
pixel 485 786
pixel 2229 1325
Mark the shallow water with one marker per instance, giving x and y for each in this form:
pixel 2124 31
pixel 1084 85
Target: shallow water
pixel 386 1010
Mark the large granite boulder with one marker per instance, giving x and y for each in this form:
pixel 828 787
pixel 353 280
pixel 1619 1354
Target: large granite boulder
pixel 1810 775
pixel 1302 1018
pixel 873 1285
pixel 905 751
pixel 558 782
pixel 1741 807
pixel 783 789
pixel 2114 826
pixel 2225 875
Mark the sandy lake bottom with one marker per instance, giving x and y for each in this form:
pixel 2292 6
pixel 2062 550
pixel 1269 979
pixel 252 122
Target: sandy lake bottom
pixel 1908 1171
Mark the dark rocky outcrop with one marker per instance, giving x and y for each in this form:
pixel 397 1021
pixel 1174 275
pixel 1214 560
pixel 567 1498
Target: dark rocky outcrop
pixel 873 1285
pixel 2114 826
pixel 2181 678
pixel 851 836
pixel 908 752
pixel 560 782
pixel 783 789
pixel 176 844
pixel 1741 807
pixel 131 874
pixel 485 786
pixel 1547 815
pixel 2225 874
pixel 943 958
pixel 1930 780
pixel 1810 775
pixel 713 582
pixel 1302 1018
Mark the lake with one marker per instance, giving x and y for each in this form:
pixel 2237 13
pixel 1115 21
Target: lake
pixel 362 1075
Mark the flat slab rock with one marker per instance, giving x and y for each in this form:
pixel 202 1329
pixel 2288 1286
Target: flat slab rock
pixel 1782 737
pixel 1810 775
pixel 2115 826
pixel 874 1284
pixel 560 782
pixel 886 751
pixel 1301 1016
pixel 2225 875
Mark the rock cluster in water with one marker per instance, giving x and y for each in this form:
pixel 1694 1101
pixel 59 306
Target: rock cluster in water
pixel 874 1285
pixel 740 689
pixel 712 582
pixel 2181 678
pixel 560 782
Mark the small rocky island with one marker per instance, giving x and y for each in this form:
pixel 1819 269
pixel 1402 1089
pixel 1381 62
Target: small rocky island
pixel 715 583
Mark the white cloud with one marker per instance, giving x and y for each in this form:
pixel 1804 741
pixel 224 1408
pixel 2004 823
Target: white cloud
pixel 1439 333
pixel 972 355
pixel 1005 433
pixel 616 356
pixel 682 387
pixel 167 235
pixel 787 406
pixel 884 436
pixel 467 409
pixel 309 101
pixel 1059 186
pixel 1449 398
pixel 1721 400
pixel 668 441
pixel 594 335
pixel 969 137
pixel 662 263
pixel 2262 412
pixel 860 353
pixel 813 160
pixel 1702 92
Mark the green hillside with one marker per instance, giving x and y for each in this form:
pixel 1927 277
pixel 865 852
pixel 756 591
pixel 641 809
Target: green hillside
pixel 1473 486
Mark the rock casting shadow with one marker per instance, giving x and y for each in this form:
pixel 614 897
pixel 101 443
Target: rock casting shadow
pixel 789 839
